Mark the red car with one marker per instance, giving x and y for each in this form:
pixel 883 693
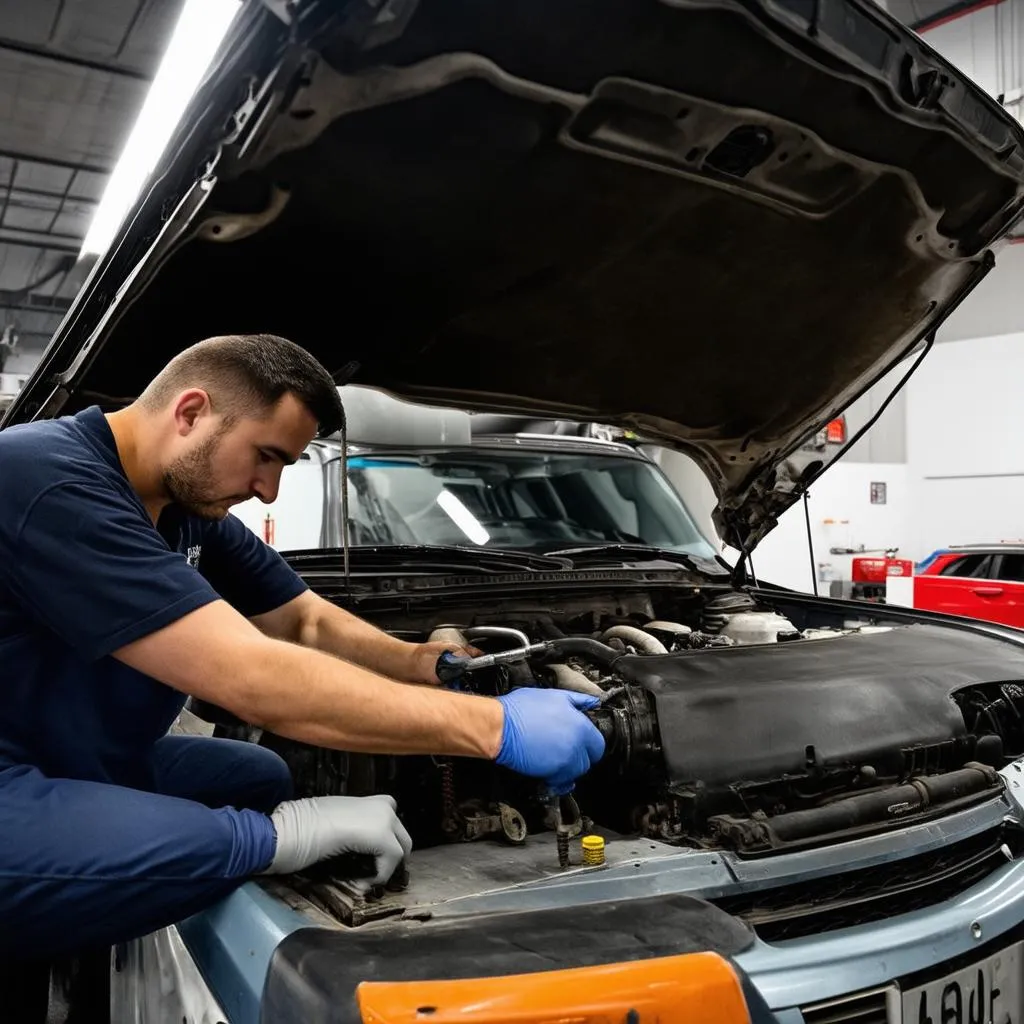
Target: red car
pixel 984 581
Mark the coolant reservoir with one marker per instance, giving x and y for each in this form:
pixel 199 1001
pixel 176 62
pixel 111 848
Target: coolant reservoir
pixel 756 627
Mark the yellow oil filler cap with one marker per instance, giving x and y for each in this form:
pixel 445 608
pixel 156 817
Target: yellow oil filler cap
pixel 593 850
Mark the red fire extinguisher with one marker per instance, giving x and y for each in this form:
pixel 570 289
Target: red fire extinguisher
pixel 268 529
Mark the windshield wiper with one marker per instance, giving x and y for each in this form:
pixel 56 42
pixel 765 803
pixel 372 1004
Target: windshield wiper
pixel 428 558
pixel 605 553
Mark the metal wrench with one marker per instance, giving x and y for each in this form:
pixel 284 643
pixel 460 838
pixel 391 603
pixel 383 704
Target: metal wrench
pixel 451 667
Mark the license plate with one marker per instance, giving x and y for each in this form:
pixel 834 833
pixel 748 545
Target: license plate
pixel 988 992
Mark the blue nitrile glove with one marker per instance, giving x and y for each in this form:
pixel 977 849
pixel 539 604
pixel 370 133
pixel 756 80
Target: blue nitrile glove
pixel 449 670
pixel 546 735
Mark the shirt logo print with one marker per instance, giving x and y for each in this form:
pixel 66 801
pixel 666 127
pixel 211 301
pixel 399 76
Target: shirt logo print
pixel 192 556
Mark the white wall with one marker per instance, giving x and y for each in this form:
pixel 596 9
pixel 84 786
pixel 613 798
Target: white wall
pixel 689 480
pixel 842 495
pixel 24 360
pixel 886 441
pixel 841 516
pixel 12 383
pixel 980 45
pixel 296 513
pixel 965 441
pixel 995 306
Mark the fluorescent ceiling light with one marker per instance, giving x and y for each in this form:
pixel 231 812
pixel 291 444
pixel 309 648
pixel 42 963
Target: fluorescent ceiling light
pixel 463 518
pixel 200 30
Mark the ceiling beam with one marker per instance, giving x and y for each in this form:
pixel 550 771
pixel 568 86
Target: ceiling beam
pixel 22 303
pixel 10 185
pixel 52 161
pixel 38 240
pixel 41 335
pixel 69 60
pixel 956 10
pixel 40 193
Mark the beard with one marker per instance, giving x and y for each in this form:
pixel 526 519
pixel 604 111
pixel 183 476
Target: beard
pixel 187 482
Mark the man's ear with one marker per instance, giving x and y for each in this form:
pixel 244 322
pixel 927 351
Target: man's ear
pixel 189 408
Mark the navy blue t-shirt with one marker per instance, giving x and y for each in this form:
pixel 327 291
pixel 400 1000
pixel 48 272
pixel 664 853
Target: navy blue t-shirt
pixel 83 572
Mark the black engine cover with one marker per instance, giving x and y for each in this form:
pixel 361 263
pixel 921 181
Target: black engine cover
pixel 760 713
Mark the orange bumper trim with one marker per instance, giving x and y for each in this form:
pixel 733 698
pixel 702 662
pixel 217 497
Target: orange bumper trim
pixel 700 988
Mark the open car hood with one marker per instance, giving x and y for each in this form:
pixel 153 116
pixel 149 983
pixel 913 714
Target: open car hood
pixel 714 223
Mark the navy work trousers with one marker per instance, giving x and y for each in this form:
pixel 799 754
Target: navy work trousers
pixel 83 864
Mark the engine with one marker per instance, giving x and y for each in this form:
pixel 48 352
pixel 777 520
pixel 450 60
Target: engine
pixel 736 729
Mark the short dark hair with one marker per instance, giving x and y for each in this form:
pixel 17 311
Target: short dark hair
pixel 245 374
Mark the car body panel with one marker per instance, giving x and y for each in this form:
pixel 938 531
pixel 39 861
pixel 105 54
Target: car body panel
pixel 233 943
pixel 991 600
pixel 157 980
pixel 974 582
pixel 694 988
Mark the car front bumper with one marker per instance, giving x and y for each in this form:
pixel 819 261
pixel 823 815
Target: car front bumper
pixel 235 943
pixel 837 964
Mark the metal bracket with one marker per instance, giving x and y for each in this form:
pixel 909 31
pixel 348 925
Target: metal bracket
pixel 230 227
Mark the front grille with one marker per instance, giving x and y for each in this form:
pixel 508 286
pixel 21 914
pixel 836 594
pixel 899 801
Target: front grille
pixel 865 1008
pixel 872 894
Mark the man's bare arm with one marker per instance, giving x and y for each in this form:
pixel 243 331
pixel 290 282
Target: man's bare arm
pixel 314 622
pixel 217 655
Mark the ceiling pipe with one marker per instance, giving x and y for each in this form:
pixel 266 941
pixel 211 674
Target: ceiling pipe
pixel 952 13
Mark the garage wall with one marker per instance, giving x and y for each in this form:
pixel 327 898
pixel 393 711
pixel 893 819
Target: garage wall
pixel 841 512
pixel 24 360
pixel 995 306
pixel 981 44
pixel 296 515
pixel 842 515
pixel 886 441
pixel 965 442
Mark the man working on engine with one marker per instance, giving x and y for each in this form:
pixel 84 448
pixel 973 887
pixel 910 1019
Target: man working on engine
pixel 124 586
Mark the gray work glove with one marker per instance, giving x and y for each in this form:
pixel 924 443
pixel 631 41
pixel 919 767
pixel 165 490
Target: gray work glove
pixel 314 829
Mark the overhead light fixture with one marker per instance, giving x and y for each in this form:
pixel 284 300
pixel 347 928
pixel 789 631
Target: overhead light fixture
pixel 199 31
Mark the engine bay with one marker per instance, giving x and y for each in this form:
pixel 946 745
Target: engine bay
pixel 730 724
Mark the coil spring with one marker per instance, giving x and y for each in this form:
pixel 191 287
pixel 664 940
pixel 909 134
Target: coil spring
pixel 449 817
pixel 562 839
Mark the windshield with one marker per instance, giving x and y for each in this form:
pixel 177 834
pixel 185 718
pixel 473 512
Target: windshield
pixel 520 500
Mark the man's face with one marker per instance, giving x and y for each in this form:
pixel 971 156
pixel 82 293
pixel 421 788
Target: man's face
pixel 225 464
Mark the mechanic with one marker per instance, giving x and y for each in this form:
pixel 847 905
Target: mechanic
pixel 124 586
